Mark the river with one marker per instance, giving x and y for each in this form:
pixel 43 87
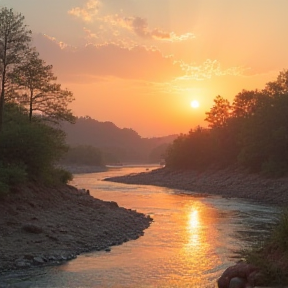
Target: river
pixel 192 239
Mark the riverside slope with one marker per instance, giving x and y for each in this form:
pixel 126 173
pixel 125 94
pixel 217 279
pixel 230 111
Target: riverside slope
pixel 228 183
pixel 41 226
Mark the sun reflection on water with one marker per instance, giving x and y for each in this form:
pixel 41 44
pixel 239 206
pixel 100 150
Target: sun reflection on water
pixel 193 228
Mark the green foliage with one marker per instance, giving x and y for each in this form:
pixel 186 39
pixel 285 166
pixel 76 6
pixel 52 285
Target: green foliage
pixel 14 39
pixel 30 150
pixel 252 132
pixel 84 155
pixel 57 176
pixel 192 151
pixel 271 255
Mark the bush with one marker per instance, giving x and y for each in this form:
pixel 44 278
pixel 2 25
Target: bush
pixel 58 176
pixel 271 255
pixel 84 155
pixel 29 150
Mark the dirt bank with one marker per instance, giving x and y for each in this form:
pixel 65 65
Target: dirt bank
pixel 226 182
pixel 40 226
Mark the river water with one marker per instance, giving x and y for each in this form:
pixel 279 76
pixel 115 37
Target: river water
pixel 192 240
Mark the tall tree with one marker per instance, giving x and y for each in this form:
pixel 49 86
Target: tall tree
pixel 280 86
pixel 219 113
pixel 35 88
pixel 14 42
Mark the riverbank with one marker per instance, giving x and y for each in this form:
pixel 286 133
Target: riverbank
pixel 82 169
pixel 42 226
pixel 226 183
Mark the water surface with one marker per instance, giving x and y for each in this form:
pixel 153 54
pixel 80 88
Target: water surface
pixel 189 244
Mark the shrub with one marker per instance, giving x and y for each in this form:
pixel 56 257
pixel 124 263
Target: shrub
pixel 271 255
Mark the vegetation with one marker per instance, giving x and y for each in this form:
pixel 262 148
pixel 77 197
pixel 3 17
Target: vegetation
pixel 14 43
pixel 84 155
pixel 34 87
pixel 251 132
pixel 271 256
pixel 29 148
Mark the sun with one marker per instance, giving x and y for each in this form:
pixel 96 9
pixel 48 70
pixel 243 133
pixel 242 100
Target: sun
pixel 194 104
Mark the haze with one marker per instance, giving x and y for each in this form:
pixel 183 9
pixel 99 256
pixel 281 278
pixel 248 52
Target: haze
pixel 139 64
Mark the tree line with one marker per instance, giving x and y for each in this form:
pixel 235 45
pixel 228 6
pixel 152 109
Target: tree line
pixel 30 99
pixel 251 132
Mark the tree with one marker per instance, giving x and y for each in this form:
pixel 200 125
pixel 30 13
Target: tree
pixel 245 103
pixel 219 113
pixel 31 149
pixel 14 42
pixel 35 88
pixel 280 86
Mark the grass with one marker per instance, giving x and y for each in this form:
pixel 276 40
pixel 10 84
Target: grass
pixel 271 255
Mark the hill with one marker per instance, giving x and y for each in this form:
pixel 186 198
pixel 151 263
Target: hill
pixel 117 144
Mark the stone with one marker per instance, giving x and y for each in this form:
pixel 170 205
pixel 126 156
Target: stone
pixel 38 260
pixel 31 228
pixel 22 263
pixel 237 282
pixel 241 270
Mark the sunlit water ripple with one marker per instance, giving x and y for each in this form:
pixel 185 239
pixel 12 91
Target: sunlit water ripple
pixel 189 244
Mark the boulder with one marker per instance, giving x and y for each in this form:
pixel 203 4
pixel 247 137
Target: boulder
pixel 240 270
pixel 237 282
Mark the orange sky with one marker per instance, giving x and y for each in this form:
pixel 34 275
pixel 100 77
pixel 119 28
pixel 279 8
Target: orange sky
pixel 140 63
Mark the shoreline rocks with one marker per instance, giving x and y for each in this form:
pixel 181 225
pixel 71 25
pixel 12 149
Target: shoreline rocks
pixel 229 183
pixel 45 226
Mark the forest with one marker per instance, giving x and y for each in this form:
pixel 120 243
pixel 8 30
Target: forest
pixel 251 132
pixel 31 105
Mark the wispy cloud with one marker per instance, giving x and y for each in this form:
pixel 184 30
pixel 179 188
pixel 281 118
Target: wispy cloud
pixel 139 26
pixel 116 60
pixel 208 69
pixel 88 12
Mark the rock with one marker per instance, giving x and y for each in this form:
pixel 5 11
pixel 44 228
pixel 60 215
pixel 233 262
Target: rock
pixel 108 249
pixel 241 270
pixel 22 263
pixel 256 278
pixel 38 260
pixel 112 204
pixel 31 228
pixel 237 282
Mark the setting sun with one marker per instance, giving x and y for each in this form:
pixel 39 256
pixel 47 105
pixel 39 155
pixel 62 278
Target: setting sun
pixel 194 104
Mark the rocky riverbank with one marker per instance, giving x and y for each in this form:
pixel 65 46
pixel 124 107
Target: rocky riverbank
pixel 227 183
pixel 41 226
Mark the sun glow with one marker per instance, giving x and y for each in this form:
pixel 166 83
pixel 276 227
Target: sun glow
pixel 194 104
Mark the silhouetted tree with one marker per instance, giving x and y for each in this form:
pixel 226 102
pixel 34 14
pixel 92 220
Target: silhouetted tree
pixel 34 87
pixel 14 42
pixel 220 112
pixel 280 86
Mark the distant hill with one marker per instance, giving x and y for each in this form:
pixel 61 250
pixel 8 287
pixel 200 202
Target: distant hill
pixel 116 144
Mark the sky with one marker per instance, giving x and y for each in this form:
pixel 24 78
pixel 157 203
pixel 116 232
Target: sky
pixel 140 63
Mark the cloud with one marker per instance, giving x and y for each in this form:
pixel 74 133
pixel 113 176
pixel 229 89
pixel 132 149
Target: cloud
pixel 208 69
pixel 88 12
pixel 113 60
pixel 108 60
pixel 139 26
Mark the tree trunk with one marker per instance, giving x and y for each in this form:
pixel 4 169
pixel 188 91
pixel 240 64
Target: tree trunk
pixel 30 106
pixel 2 98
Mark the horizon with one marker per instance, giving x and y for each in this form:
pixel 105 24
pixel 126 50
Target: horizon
pixel 140 65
